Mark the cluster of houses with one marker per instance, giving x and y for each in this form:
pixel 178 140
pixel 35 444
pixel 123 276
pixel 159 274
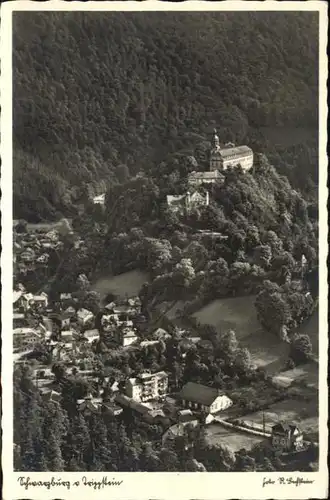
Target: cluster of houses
pixel 65 323
pixel 32 249
pixel 70 333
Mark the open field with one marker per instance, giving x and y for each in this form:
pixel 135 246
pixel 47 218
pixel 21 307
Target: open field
pixel 307 373
pixel 302 413
pixel 239 314
pixel 123 285
pixel 216 434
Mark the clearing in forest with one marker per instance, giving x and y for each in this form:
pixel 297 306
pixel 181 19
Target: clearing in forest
pixel 123 285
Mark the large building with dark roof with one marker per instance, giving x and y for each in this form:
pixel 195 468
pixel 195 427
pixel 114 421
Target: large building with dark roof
pixel 202 398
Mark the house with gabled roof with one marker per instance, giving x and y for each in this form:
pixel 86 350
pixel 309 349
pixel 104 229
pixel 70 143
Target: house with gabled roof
pixel 286 437
pixel 84 316
pixel 199 397
pixel 188 201
pixel 49 395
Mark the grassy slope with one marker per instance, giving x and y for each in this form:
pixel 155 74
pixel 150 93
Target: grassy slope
pixel 239 314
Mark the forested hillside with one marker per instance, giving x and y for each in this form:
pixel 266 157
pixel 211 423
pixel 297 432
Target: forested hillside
pixel 96 91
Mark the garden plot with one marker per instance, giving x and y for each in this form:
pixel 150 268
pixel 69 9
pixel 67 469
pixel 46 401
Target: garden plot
pixel 304 414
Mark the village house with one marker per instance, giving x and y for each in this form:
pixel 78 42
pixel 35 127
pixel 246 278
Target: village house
pixel 52 235
pixel 147 386
pixel 40 302
pixel 135 303
pixel 43 372
pixel 25 337
pixel 99 200
pixel 17 299
pixel 28 256
pixel 85 317
pixel 186 202
pixel 49 395
pixel 185 416
pixel 91 335
pixel 127 336
pixel 65 318
pixel 110 306
pixel 144 410
pixel 26 301
pixel 147 343
pixel 196 179
pixel 286 437
pixel 19 320
pixel 125 311
pixel 112 408
pixel 89 405
pixel 115 319
pixel 178 430
pixel 204 399
pixel 43 259
pixel 127 402
pixel 65 300
pixel 68 335
pixel 46 244
pixel 160 334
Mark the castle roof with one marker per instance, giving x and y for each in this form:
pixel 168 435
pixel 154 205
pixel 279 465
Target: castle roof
pixel 205 175
pixel 227 153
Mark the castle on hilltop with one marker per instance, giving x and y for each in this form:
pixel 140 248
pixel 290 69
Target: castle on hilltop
pixel 220 159
pixel 230 155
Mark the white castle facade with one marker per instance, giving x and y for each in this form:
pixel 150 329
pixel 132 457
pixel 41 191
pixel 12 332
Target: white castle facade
pixel 222 158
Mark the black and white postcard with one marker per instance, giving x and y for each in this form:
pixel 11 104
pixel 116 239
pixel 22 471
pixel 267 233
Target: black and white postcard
pixel 164 247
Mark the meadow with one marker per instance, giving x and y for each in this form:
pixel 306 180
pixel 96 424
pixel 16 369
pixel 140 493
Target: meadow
pixel 123 285
pixel 216 434
pixel 239 314
pixel 307 374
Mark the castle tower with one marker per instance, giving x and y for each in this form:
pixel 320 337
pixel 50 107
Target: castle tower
pixel 215 140
pixel 215 155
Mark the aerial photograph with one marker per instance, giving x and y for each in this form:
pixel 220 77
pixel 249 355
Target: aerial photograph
pixel 165 241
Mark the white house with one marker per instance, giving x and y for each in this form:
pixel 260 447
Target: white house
pixel 187 201
pixel 147 386
pixel 128 336
pixel 99 200
pixel 40 301
pixel 23 336
pixel 91 335
pixel 84 316
pixel 27 300
pixel 202 398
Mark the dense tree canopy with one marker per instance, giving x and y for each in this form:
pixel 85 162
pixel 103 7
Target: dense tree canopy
pixel 101 96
